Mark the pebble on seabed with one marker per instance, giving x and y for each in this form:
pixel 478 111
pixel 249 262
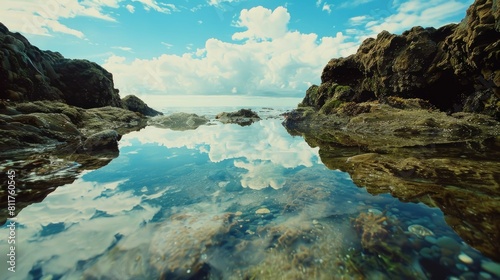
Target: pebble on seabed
pixel 263 211
pixel 491 267
pixel 484 275
pixel 465 259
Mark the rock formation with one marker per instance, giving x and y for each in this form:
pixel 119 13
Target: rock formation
pixel 179 121
pixel 133 103
pixel 242 117
pixel 58 116
pixel 417 115
pixel 455 67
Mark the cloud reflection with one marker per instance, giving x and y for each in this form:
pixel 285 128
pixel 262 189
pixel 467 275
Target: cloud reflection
pixel 85 211
pixel 264 149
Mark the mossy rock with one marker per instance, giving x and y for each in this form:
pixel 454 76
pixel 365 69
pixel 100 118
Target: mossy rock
pixel 330 106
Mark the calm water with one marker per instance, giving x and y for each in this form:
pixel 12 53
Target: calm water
pixel 231 202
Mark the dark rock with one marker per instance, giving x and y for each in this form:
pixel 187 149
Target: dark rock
pixel 107 139
pixel 454 67
pixel 242 117
pixel 86 84
pixel 178 121
pixel 133 103
pixel 29 74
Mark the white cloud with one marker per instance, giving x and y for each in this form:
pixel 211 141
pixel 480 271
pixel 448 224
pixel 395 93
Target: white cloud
pixel 220 2
pixel 262 23
pixel 130 8
pixel 40 17
pixel 357 20
pixel 318 3
pixel 158 6
pixel 354 3
pixel 268 58
pixel 327 8
pixel 167 45
pixel 418 12
pixel 126 49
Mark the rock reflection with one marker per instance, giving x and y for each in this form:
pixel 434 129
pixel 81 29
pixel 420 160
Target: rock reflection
pixel 462 179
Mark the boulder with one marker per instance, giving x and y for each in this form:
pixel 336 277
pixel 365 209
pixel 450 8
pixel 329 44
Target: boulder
pixel 133 103
pixel 242 117
pixel 178 121
pixel 107 139
pixel 28 73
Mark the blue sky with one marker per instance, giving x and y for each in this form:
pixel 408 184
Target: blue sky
pixel 234 47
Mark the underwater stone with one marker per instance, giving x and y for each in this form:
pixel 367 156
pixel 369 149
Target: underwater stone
pixel 375 211
pixel 491 267
pixel 449 244
pixel 430 239
pixel 465 259
pixel 484 275
pixel 420 230
pixel 462 267
pixel 263 211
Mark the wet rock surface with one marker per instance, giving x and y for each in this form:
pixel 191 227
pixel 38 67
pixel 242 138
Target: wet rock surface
pixel 49 143
pixel 179 121
pixel 58 116
pixel 401 116
pixel 452 67
pixel 450 162
pixel 242 117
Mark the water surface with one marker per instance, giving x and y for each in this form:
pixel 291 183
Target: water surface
pixel 232 202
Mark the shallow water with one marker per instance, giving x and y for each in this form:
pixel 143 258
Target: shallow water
pixel 231 202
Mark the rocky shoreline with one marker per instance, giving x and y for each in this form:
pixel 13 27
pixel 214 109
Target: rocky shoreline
pixel 417 116
pixel 58 117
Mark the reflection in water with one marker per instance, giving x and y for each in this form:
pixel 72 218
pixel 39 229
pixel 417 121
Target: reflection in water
pixel 231 202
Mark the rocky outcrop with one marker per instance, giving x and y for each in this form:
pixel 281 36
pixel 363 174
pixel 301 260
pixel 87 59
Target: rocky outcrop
pixel 133 103
pixel 179 121
pixel 28 73
pixel 417 115
pixel 58 117
pixel 242 117
pixel 454 67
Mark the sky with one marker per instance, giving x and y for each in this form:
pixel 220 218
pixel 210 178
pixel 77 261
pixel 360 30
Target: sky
pixel 216 47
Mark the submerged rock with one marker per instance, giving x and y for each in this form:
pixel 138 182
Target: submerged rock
pixel 178 121
pixel 242 117
pixel 262 211
pixel 420 230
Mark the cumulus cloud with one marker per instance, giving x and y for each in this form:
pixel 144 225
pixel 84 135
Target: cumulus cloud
pixel 264 58
pixel 262 23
